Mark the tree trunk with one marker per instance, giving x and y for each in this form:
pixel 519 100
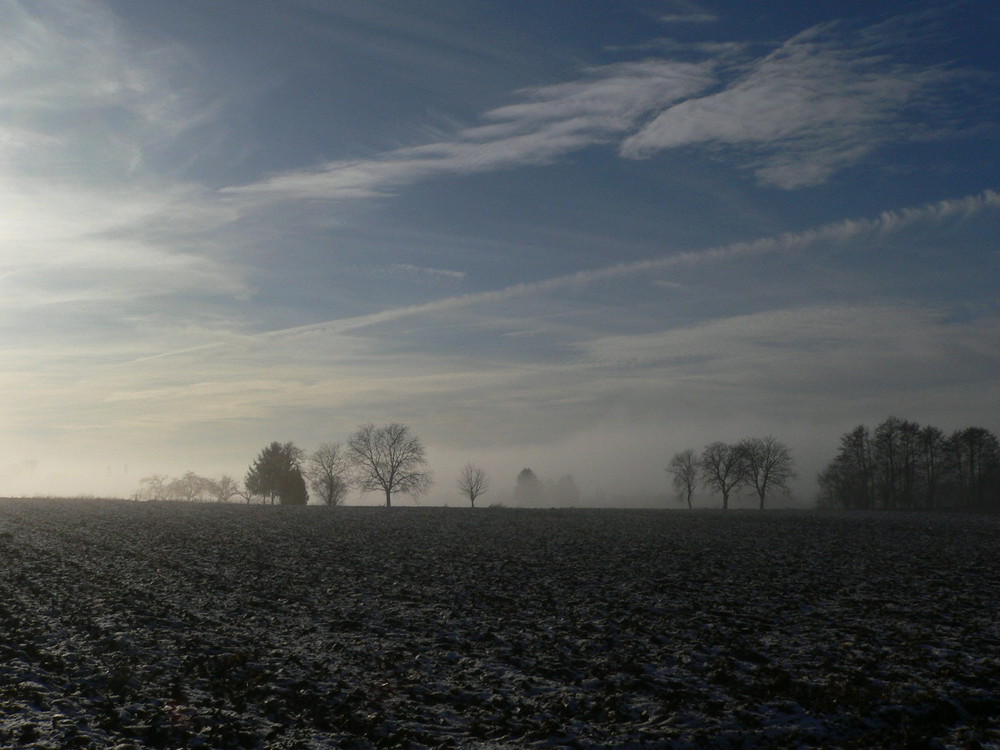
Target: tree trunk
pixel 388 499
pixel 725 501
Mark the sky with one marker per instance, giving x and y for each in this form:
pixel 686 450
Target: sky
pixel 578 235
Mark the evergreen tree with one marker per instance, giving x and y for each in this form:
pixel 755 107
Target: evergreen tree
pixel 276 474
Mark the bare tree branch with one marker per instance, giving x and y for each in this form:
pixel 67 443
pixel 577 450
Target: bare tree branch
pixel 473 482
pixel 767 464
pixel 722 469
pixel 684 468
pixel 389 459
pixel 326 470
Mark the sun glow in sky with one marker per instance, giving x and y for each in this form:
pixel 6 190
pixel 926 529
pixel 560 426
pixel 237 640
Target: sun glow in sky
pixel 573 235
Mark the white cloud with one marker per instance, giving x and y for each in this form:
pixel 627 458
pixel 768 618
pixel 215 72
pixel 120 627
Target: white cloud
pixel 71 81
pixel 554 121
pixel 689 18
pixel 686 11
pixel 555 376
pixel 85 217
pixel 430 273
pixel 837 232
pixel 784 340
pixel 113 271
pixel 822 101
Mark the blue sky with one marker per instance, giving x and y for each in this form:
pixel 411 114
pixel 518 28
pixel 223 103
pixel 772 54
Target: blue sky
pixel 577 236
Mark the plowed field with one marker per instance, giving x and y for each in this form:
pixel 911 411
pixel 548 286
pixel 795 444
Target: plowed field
pixel 135 625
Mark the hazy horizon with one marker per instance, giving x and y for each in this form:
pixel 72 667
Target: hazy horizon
pixel 575 236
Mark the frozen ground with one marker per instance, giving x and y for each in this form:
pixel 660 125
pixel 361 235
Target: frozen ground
pixel 158 625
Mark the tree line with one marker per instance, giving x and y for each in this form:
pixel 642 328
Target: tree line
pixel 387 459
pixel 189 488
pixel 898 466
pixel 903 466
pixel 761 465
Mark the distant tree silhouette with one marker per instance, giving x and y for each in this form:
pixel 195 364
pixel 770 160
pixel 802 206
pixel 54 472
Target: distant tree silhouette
pixel 276 474
pixel 565 491
pixel 932 466
pixel 684 469
pixel 389 459
pixel 767 465
pixel 473 482
pixel 153 487
pixel 849 481
pixel 327 471
pixel 187 488
pixel 895 445
pixel 975 454
pixel 723 469
pixel 224 489
pixel 904 466
pixel 529 489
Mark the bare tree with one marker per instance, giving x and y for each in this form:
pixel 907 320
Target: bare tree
pixel 850 480
pixel 975 453
pixel 722 469
pixel 684 468
pixel 389 459
pixel 152 487
pixel 905 466
pixel 768 465
pixel 473 482
pixel 888 461
pixel 188 488
pixel 932 461
pixel 859 467
pixel 327 470
pixel 223 490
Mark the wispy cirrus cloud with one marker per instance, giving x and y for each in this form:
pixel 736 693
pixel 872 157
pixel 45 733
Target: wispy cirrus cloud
pixel 837 233
pixel 77 96
pixel 689 18
pixel 851 338
pixel 86 217
pixel 840 232
pixel 568 361
pixel 552 121
pixel 822 101
pixel 436 274
pixel 685 11
pixel 818 103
